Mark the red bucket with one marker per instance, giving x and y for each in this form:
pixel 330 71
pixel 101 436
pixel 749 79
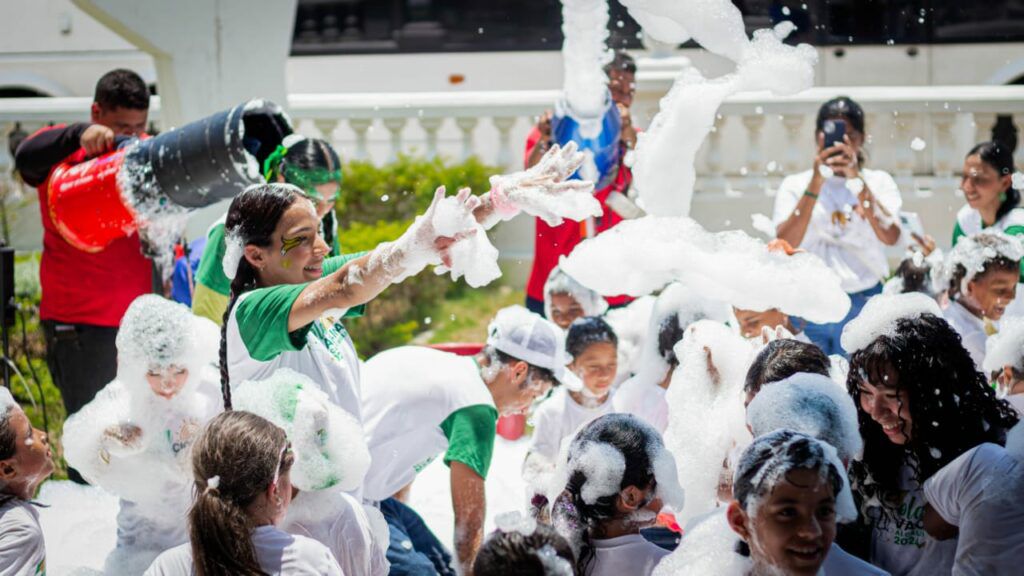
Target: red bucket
pixel 86 205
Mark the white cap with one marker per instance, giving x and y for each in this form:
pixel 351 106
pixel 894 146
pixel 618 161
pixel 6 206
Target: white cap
pixel 528 337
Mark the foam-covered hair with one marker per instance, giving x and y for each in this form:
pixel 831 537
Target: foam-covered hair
pixel 811 404
pixel 559 282
pixel 154 331
pixel 973 255
pixel 769 458
pixel 880 316
pixel 327 441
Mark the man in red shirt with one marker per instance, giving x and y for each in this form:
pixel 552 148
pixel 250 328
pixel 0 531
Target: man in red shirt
pixel 86 293
pixel 552 242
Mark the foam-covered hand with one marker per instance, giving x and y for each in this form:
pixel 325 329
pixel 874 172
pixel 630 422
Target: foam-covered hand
pixel 428 240
pixel 545 190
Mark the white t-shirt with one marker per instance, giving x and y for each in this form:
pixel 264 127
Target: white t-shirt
pixel 277 552
pixel 259 343
pixel 970 328
pixel 644 399
pixel 839 562
pixel 844 240
pixel 558 418
pixel 22 550
pixel 417 403
pixel 343 524
pixel 629 554
pixel 968 221
pixel 900 545
pixel 982 492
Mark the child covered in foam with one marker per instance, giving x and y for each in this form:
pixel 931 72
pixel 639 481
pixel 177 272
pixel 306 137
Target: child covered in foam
pixel 331 459
pixel 25 462
pixel 134 438
pixel 591 344
pixel 566 300
pixel 612 481
pixel 980 276
pixel 675 309
pixel 790 491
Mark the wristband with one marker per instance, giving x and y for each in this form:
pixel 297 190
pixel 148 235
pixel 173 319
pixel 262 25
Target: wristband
pixel 810 194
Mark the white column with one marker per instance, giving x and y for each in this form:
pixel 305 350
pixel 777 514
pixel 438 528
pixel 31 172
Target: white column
pixel 504 125
pixel 983 123
pixel 943 145
pixel 395 126
pixel 209 56
pixel 360 126
pixel 903 126
pixel 713 158
pixel 467 125
pixel 326 126
pixel 430 125
pixel 755 159
pixel 793 123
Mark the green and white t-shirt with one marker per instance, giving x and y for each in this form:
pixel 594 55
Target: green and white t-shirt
pixel 259 342
pixel 418 403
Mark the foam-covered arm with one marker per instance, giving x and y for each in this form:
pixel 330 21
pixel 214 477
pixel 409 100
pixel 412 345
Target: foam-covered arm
pixel 543 190
pixel 425 242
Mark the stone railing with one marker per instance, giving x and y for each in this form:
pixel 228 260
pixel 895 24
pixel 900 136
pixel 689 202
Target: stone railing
pixel 758 138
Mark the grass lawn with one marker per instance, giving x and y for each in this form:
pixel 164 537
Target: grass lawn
pixel 465 319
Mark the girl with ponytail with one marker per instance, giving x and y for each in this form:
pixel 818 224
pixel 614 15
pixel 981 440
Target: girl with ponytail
pixel 618 475
pixel 288 297
pixel 241 465
pixel 310 164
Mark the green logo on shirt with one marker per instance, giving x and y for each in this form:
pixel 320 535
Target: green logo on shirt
pixel 333 334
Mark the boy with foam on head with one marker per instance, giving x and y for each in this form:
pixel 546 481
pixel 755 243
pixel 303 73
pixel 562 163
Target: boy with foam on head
pixel 25 462
pixel 134 438
pixel 980 276
pixel 419 403
pixel 565 299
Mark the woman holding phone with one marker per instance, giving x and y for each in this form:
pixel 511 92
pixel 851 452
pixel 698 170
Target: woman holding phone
pixel 841 211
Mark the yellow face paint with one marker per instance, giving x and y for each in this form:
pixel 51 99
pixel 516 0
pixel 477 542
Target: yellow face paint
pixel 289 244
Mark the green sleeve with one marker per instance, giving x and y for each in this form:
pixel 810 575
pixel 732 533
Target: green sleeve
pixel 211 267
pixel 332 265
pixel 471 432
pixel 958 233
pixel 1017 231
pixel 263 321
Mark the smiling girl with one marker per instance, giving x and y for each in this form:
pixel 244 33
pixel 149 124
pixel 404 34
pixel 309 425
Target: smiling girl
pixel 992 201
pixel 921 403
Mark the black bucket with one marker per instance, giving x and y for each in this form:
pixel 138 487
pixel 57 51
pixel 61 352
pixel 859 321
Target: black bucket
pixel 211 159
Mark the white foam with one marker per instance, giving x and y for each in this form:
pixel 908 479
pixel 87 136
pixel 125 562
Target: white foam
pixel 973 253
pixel 706 549
pixel 473 256
pixel 811 404
pixel 545 190
pixel 640 256
pixel 706 416
pixel 1018 181
pixel 764 225
pixel 327 441
pixel 515 521
pixel 918 144
pixel 630 325
pixel 585 28
pixel 559 282
pixel 663 170
pixel 880 315
pixel 1006 347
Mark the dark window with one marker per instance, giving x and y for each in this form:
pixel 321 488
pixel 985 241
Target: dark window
pixel 395 26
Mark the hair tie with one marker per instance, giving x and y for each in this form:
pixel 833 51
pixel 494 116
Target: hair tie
pixel 273 161
pixel 211 485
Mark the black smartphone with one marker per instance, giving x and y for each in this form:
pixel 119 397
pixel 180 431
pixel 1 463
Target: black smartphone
pixel 835 132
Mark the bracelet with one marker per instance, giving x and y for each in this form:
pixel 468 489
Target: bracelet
pixel 809 194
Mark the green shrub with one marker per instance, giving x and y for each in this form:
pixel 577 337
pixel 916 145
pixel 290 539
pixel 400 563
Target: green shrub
pixel 377 204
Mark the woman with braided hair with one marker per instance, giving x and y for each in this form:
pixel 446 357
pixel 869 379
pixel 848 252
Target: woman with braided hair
pixel 241 467
pixel 313 166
